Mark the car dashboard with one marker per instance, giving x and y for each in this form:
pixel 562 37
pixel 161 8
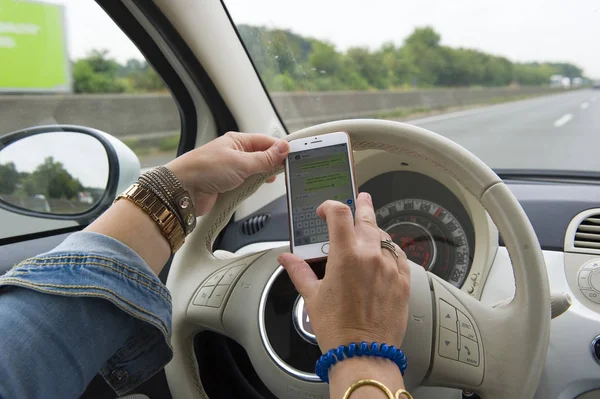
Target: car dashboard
pixel 437 223
pixel 443 228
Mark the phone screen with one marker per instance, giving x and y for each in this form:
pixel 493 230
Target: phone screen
pixel 315 176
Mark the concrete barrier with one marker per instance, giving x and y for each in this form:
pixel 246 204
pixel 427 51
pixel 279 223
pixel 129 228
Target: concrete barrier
pixel 304 109
pixel 154 115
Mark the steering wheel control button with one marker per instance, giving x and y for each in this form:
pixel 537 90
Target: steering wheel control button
pixel 325 249
pixel 231 274
pixel 469 352
pixel 466 327
pixel 215 278
pixel 203 295
pixel 448 344
pixel 448 316
pixel 592 295
pixel 216 299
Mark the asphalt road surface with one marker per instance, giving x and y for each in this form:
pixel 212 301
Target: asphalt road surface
pixel 555 132
pixel 560 132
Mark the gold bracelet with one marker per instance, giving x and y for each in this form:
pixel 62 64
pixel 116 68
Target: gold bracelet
pixel 403 392
pixel 373 383
pixel 167 222
pixel 379 385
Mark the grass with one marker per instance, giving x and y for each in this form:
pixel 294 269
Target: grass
pixel 169 143
pixel 152 146
pixel 405 112
pixel 411 112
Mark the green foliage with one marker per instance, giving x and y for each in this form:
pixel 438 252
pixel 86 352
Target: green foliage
pixel 97 73
pixel 52 180
pixel 169 143
pixel 289 62
pixel 9 177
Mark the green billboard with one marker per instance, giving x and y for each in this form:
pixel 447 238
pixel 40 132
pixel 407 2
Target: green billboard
pixel 33 47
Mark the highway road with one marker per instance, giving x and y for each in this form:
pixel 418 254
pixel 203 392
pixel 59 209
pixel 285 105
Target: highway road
pixel 560 131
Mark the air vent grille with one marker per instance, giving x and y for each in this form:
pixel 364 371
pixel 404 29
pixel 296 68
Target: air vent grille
pixel 254 225
pixel 587 234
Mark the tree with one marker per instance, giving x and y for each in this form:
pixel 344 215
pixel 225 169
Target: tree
pixel 141 76
pixel 96 73
pixel 370 66
pixel 51 179
pixel 9 177
pixel 425 53
pixel 287 61
pixel 566 69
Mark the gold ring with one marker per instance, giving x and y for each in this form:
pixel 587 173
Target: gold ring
pixel 389 244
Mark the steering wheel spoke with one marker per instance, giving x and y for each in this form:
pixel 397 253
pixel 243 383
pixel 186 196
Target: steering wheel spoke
pixel 212 293
pixel 458 359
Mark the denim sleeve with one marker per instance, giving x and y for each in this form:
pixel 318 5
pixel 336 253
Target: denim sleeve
pixel 91 304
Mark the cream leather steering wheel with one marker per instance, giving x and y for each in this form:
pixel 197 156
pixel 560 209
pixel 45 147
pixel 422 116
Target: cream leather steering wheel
pixel 502 349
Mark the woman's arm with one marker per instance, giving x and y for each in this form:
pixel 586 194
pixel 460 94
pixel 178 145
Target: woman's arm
pixel 363 296
pixel 94 303
pixel 217 167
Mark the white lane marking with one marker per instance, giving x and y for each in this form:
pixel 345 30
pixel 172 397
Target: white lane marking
pixel 585 105
pixel 564 119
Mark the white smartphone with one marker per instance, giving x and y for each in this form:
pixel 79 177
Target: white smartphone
pixel 317 169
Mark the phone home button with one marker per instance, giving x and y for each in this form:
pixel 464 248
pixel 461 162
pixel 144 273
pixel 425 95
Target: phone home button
pixel 325 248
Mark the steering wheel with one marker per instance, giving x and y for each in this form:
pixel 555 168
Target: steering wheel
pixel 452 340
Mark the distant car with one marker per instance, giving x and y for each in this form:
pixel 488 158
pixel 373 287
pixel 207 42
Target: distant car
pixel 597 85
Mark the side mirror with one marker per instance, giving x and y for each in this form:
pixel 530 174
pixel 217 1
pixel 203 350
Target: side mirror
pixel 63 172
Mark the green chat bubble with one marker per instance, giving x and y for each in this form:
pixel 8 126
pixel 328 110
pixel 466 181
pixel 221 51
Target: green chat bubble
pixel 328 181
pixel 333 160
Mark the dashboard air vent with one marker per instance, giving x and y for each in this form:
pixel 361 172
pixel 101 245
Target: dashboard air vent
pixel 254 225
pixel 583 233
pixel 587 234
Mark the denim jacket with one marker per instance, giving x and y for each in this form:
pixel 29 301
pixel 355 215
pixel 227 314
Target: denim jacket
pixel 89 305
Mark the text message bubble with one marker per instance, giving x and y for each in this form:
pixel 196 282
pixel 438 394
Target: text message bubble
pixel 333 180
pixel 332 160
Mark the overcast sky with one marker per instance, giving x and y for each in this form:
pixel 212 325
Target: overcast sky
pixel 522 30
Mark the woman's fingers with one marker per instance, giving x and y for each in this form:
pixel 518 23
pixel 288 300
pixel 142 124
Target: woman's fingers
pixel 251 142
pixel 366 223
pixel 302 276
pixel 264 161
pixel 340 223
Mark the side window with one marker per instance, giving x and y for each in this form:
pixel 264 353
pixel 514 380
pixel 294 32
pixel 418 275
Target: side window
pixel 67 62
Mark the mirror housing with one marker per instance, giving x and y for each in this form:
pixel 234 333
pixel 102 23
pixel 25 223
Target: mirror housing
pixel 85 190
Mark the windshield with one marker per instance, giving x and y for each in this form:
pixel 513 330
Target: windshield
pixel 512 81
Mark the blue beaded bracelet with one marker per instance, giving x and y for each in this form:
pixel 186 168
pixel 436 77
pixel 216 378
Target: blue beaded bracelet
pixel 363 349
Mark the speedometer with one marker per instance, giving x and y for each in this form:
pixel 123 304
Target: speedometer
pixel 430 236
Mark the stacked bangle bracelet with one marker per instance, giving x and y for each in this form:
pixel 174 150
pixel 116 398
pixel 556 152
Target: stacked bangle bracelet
pixel 159 193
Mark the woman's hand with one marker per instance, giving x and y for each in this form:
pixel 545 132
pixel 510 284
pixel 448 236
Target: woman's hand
pixel 224 164
pixel 364 294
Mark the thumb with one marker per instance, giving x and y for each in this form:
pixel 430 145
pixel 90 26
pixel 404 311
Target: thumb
pixel 267 160
pixel 302 276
